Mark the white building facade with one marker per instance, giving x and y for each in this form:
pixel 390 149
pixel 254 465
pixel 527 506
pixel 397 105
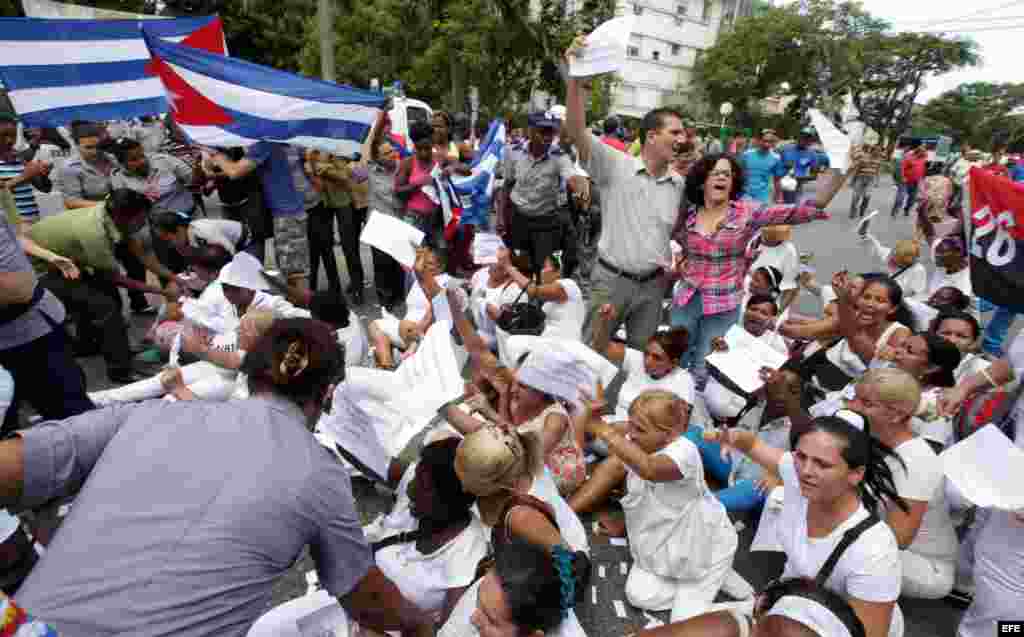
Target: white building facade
pixel 667 37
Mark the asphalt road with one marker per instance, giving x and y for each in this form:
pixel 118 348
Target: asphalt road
pixel 835 246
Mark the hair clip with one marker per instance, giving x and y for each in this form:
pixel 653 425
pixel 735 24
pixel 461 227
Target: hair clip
pixel 562 559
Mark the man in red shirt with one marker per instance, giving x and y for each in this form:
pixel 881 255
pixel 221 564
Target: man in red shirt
pixel 611 134
pixel 914 166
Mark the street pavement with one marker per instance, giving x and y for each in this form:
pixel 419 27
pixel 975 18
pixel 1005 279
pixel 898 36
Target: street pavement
pixel 835 246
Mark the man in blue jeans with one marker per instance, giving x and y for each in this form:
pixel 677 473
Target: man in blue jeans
pixel 997 327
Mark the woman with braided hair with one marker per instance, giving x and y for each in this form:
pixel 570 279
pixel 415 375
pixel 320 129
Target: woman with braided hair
pixel 530 591
pixel 833 482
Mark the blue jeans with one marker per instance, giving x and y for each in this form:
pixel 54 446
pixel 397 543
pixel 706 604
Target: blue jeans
pixel 997 327
pixel 740 497
pixel 702 329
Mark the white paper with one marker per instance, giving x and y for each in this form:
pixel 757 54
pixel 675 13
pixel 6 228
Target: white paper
pixel 862 227
pixel 175 354
pixel 485 248
pixel 987 468
pixel 836 144
pixel 605 51
pixel 620 608
pixel 746 356
pixel 392 236
pixel 376 412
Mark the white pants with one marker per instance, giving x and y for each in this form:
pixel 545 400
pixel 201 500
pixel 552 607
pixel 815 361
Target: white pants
pixel 316 613
pixel 206 380
pixel 685 598
pixel 926 577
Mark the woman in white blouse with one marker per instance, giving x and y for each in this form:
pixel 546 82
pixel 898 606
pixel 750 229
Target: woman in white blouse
pixel 834 480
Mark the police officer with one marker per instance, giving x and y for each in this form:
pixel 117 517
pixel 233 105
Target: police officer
pixel 535 176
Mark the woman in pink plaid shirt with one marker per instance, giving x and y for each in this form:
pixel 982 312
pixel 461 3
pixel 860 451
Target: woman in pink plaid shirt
pixel 714 231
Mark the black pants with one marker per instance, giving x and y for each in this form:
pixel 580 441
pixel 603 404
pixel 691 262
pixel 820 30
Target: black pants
pixel 538 236
pixel 320 233
pixel 135 270
pixel 388 278
pixel 570 243
pixel 96 306
pixel 47 376
pixel 350 226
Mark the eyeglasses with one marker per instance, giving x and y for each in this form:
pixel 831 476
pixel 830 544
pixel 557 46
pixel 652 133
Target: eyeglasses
pixel 720 173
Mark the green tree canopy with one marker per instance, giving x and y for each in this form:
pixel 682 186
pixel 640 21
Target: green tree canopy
pixel 975 112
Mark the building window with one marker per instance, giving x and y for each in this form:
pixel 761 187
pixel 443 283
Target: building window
pixel 707 10
pixel 676 49
pixel 637 9
pixel 656 55
pixel 632 51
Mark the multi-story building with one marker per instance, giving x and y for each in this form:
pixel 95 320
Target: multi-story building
pixel 667 37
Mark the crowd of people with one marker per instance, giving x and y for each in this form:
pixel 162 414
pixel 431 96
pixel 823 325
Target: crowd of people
pixel 196 482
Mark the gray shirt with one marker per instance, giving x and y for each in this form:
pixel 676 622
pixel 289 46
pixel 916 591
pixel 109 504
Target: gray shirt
pixel 638 211
pixel 166 185
pixel 189 513
pixel 537 181
pixel 382 188
pixel 39 320
pixel 80 179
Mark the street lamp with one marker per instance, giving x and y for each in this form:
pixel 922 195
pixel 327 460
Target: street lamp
pixel 725 110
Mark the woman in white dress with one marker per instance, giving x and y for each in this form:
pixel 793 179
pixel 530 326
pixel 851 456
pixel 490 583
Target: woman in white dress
pixel 681 539
pixel 833 481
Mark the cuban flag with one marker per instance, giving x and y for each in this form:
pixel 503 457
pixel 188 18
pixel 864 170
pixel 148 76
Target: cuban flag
pixel 58 71
pixel 225 102
pixel 477 190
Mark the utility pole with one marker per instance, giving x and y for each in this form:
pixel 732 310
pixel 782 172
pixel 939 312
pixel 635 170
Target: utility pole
pixel 325 18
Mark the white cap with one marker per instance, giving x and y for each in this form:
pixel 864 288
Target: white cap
pixel 245 271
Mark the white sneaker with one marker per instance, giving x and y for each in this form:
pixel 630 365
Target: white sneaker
pixel 736 587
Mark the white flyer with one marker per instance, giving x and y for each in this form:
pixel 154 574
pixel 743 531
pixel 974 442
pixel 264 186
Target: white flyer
pixel 743 361
pixel 837 145
pixel 987 468
pixel 393 236
pixel 605 51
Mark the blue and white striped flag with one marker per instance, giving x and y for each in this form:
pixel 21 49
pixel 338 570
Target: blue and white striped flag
pixel 222 101
pixel 57 71
pixel 477 190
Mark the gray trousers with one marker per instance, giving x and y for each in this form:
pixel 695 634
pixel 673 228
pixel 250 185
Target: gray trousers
pixel 862 186
pixel 638 305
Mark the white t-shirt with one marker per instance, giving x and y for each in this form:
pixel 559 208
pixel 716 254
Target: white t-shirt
pixel 913 280
pixel 868 570
pixel 970 364
pixel 637 381
pixel 565 320
pixel 481 296
pixel 353 338
pixel 416 302
pixel 425 579
pixel 923 480
pixel 219 232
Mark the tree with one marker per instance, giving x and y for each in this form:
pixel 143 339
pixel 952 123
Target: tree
pixel 893 69
pixel 811 46
pixel 974 112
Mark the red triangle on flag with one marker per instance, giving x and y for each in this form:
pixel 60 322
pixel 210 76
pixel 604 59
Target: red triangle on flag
pixel 188 105
pixel 209 37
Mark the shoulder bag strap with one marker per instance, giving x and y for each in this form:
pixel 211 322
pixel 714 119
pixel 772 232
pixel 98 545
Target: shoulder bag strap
pixel 901 271
pixel 848 538
pixel 400 538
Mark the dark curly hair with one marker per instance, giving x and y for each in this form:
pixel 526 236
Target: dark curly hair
pixel 532 585
pixel 297 358
pixel 701 169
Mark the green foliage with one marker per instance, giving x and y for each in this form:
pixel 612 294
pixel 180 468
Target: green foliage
pixel 975 112
pixel 438 48
pixel 825 50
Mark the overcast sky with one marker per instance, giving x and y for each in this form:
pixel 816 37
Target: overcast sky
pixel 1001 50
